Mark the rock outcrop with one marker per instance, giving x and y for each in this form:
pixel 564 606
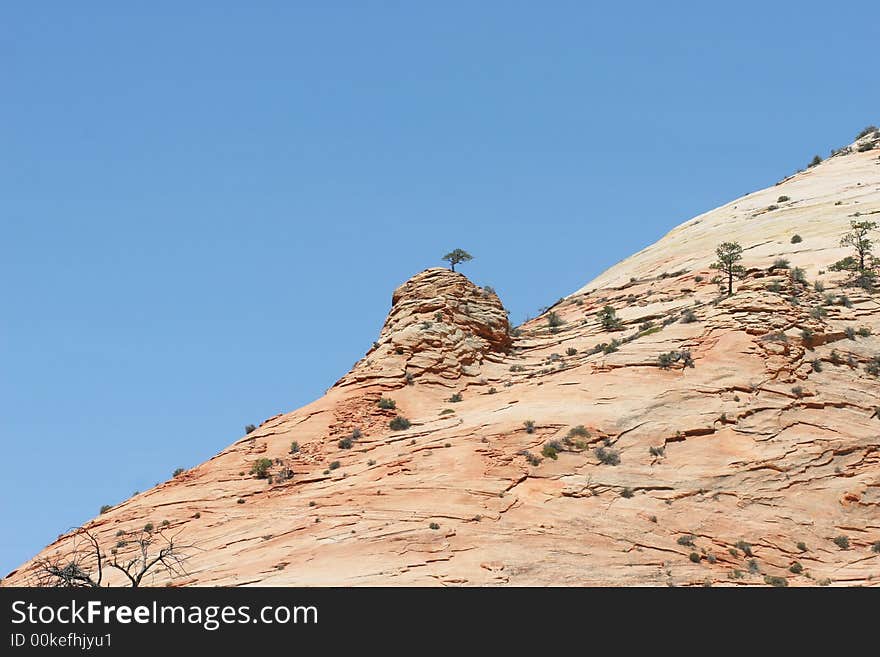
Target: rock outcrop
pixel 440 327
pixel 700 439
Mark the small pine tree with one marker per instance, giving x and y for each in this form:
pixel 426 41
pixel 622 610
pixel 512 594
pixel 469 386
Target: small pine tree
pixel 861 264
pixel 729 254
pixel 457 256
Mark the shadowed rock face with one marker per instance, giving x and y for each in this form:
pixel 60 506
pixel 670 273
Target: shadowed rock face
pixel 748 464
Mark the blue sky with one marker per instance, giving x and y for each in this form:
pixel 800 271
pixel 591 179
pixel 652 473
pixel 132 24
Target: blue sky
pixel 205 207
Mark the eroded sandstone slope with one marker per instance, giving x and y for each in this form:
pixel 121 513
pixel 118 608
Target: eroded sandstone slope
pixel 745 454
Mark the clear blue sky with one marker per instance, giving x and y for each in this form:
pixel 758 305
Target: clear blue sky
pixel 205 207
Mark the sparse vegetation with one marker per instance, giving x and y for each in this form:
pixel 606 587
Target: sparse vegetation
pixel 746 548
pixel 802 546
pixel 550 451
pixel 399 423
pixel 796 239
pixel 815 161
pixel 334 465
pixel 571 351
pixel 434 526
pixel 798 275
pixel 688 317
pixel 670 358
pixel 687 540
pixel 860 265
pixel 294 447
pixel 177 472
pixel 657 451
pixel 260 468
pixel 608 456
pixel 455 398
pixel 842 542
pixel 249 428
pixel 346 443
pixel 871 129
pixel 773 580
pixel 105 508
pixel 797 391
pixel 796 568
pixel 387 404
pixel 554 320
pixel 816 365
pixel 627 492
pixel 530 426
pixel 608 319
pixel 782 199
pixel 695 557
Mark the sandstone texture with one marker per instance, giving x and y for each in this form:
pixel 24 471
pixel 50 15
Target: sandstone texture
pixel 741 461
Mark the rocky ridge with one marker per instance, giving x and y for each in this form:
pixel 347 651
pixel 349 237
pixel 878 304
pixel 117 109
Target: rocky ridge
pixel 697 439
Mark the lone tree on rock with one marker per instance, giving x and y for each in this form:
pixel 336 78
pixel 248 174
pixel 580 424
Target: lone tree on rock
pixel 729 254
pixel 861 265
pixel 457 256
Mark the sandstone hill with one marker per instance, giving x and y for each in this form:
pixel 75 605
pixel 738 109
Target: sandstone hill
pixel 693 439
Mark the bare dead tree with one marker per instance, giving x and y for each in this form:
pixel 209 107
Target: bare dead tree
pixel 85 564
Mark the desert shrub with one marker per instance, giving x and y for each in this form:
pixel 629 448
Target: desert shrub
pixel 571 351
pixel 260 468
pixel 802 546
pixel 843 300
pixel 410 379
pixel 532 459
pixel 346 443
pixel 657 451
pixel 867 131
pixel 608 456
pixel 815 161
pixel 842 542
pixel 781 263
pixel 816 364
pixel 434 526
pixel 249 428
pixel 549 451
pixel 796 568
pixel 294 447
pixel 771 208
pixel 783 199
pixel 530 426
pixel 864 332
pixel 334 465
pixel 688 317
pixel 850 332
pixel 455 398
pixel 492 390
pixel 148 527
pixel 387 404
pixel 517 368
pixel 446 411
pixel 746 548
pixel 687 540
pixel 772 580
pixel 753 566
pixel 796 239
pixel 797 391
pixel 668 359
pixel 399 423
pixel 867 146
pixel 580 431
pixel 627 492
pixel 554 320
pixel 798 275
pixel 693 556
pixel 819 286
pixel 875 547
pixel 775 286
pixel 177 472
pixel 807 334
pixel 872 367
pixel 105 508
pixel 608 319
pixel 611 347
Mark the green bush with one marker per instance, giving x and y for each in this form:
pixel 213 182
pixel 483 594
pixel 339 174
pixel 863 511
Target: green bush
pixel 796 568
pixel 608 319
pixel 105 508
pixel 608 456
pixel 783 199
pixel 781 263
pixel 657 451
pixel 571 351
pixel 694 557
pixel 745 547
pixel 177 472
pixel 554 320
pixel 399 423
pixel 455 398
pixel 294 447
pixel 815 161
pixel 842 542
pixel 688 317
pixel 387 404
pixel 249 428
pixel 627 492
pixel 345 443
pixel 687 540
pixel 797 391
pixel 549 451
pixel 334 465
pixel 802 546
pixel 530 426
pixel 796 239
pixel 775 581
pixel 867 131
pixel 434 526
pixel 798 275
pixel 260 468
